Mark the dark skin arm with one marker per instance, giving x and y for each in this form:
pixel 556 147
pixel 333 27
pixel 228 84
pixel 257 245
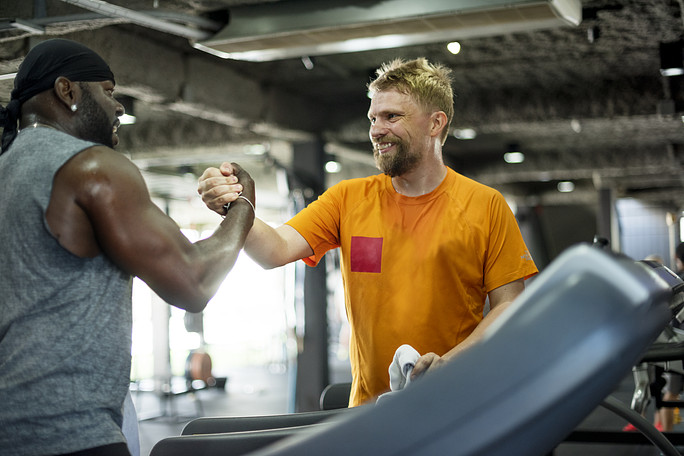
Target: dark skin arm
pixel 100 205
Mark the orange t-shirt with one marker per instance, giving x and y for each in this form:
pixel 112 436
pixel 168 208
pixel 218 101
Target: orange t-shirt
pixel 416 270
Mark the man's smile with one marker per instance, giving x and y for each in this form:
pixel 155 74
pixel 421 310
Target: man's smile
pixel 383 147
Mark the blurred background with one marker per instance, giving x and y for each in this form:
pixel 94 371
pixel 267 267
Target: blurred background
pixel 572 109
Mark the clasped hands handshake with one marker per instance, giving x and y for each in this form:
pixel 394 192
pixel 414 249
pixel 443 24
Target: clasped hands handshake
pixel 220 186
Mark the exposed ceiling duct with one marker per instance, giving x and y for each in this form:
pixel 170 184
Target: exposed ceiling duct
pixel 282 30
pixel 145 20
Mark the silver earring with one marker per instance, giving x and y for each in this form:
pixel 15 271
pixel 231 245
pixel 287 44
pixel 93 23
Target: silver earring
pixel 74 107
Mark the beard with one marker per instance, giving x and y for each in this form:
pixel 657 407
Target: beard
pixel 97 125
pixel 396 163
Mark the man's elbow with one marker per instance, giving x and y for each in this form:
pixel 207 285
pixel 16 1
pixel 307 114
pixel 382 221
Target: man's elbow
pixel 267 262
pixel 196 307
pixel 269 265
pixel 193 300
pixel 192 304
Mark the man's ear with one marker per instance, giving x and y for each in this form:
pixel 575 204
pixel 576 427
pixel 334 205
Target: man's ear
pixel 438 121
pixel 68 92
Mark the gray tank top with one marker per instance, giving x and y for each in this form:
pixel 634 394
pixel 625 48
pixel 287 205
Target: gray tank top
pixel 65 321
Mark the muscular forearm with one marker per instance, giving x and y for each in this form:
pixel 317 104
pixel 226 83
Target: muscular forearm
pixel 215 256
pixel 230 237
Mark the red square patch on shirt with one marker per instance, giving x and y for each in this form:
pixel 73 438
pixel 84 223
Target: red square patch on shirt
pixel 366 254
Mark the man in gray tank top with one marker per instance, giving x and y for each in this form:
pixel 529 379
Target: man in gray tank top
pixel 77 224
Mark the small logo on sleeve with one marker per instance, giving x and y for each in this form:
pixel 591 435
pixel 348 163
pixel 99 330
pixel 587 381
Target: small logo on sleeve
pixel 366 254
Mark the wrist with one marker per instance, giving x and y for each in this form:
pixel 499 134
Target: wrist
pixel 240 197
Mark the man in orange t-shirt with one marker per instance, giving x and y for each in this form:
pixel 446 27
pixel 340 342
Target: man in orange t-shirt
pixel 422 247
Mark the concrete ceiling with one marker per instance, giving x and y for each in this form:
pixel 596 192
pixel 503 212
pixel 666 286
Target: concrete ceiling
pixel 584 103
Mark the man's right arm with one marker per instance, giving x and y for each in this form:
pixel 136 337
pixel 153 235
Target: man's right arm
pixel 100 205
pixel 272 247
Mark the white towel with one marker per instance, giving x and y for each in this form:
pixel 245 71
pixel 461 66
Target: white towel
pixel 400 370
pixel 401 367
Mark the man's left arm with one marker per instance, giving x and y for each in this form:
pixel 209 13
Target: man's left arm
pixel 499 300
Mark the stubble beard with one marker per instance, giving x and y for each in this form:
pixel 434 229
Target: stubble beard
pixel 98 127
pixel 398 162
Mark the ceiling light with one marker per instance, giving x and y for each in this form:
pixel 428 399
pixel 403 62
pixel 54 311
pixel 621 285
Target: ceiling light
pixel 333 167
pixel 255 149
pixel 593 34
pixel 127 119
pixel 454 47
pixel 672 71
pixel 279 30
pixel 513 154
pixel 308 63
pixel 514 157
pixel 465 133
pixel 566 186
pixel 129 109
pixel 671 61
pixel 576 126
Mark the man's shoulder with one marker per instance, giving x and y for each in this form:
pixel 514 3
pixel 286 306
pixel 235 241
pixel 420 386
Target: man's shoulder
pixel 98 162
pixel 461 184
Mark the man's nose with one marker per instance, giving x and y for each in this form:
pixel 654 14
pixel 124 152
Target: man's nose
pixel 120 110
pixel 377 130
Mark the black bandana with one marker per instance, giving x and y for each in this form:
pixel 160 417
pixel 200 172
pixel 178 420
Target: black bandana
pixel 42 66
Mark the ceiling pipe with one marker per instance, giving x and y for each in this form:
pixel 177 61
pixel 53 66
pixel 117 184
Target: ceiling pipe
pixel 136 17
pixel 28 27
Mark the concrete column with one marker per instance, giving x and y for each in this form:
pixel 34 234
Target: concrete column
pixel 312 361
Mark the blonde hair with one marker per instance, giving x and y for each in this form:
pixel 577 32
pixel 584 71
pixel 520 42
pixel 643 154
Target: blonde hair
pixel 429 85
